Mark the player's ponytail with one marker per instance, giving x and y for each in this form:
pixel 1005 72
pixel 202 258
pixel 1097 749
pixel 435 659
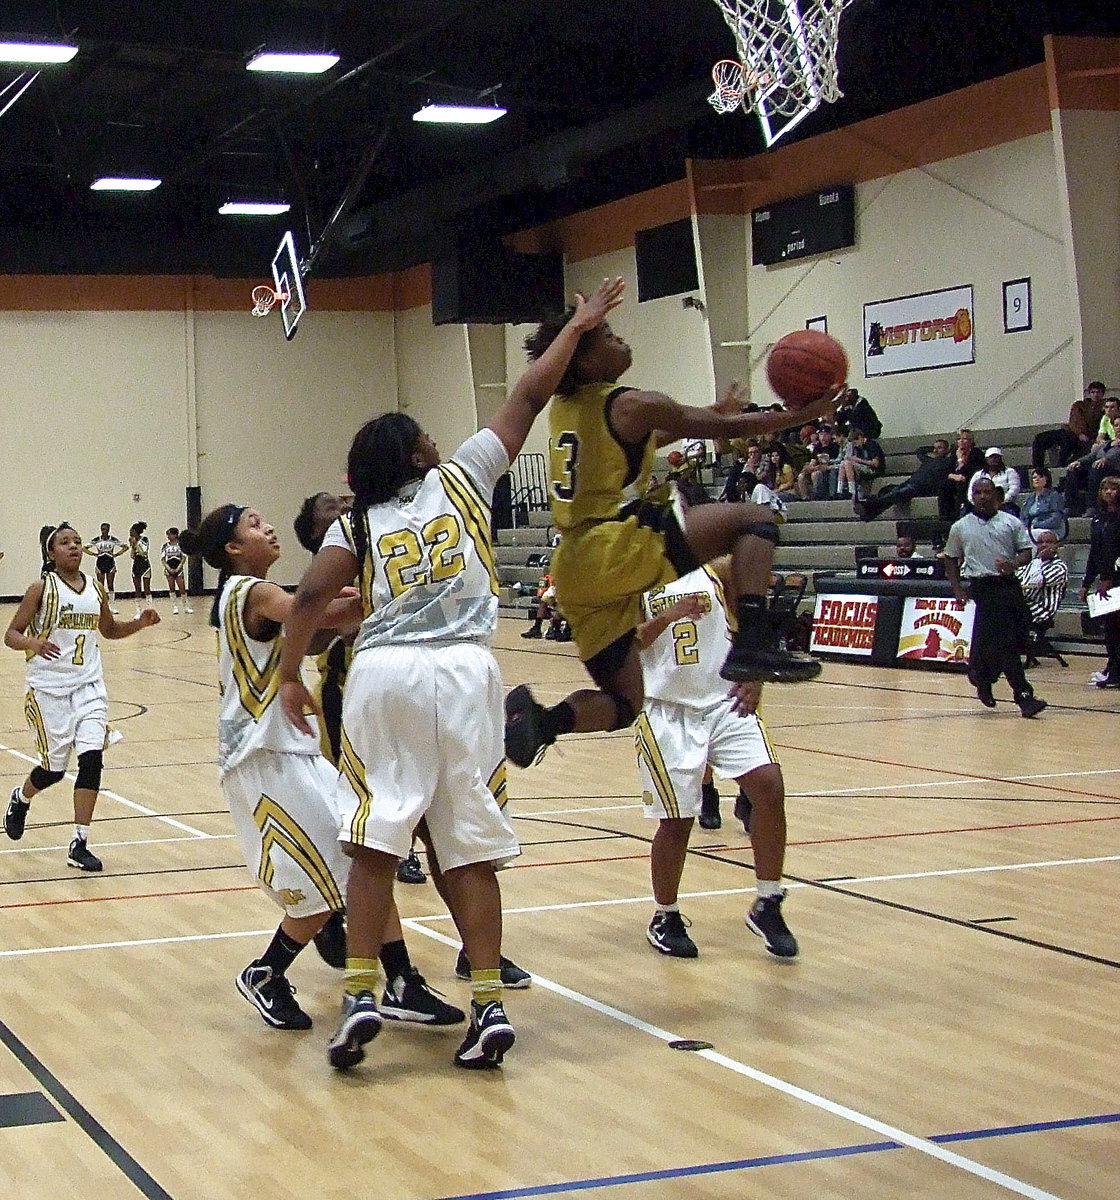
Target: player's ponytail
pixel 210 540
pixel 46 540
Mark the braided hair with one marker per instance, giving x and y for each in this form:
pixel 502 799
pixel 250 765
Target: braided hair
pixel 544 335
pixel 378 466
pixel 210 540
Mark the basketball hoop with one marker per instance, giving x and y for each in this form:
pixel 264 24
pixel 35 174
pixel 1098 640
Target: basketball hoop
pixel 787 64
pixel 734 83
pixel 264 300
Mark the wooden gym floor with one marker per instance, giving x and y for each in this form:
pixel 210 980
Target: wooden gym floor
pixel 948 1031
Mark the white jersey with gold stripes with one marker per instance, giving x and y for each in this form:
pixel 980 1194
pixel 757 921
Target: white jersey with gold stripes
pixel 428 574
pixel 682 665
pixel 69 619
pixel 249 714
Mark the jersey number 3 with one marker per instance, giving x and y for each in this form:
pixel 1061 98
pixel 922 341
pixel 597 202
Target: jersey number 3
pixel 564 465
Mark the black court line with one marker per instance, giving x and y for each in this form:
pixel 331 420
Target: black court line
pixel 239 866
pixel 141 709
pixel 84 1119
pixel 174 678
pixel 989 920
pixel 27 1108
pixel 913 910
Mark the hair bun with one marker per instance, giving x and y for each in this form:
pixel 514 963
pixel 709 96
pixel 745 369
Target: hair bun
pixel 188 539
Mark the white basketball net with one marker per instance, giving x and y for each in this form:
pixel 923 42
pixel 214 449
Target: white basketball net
pixel 787 60
pixel 264 298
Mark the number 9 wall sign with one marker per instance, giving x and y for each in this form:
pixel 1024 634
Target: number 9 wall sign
pixel 919 333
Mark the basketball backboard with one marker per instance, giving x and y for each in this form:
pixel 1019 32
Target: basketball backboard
pixel 288 280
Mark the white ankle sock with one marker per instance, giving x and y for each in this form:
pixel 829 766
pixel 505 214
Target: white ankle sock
pixel 769 887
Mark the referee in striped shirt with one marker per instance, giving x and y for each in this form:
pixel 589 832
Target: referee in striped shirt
pixel 982 552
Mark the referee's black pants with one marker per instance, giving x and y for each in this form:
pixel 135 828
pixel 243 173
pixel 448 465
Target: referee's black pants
pixel 999 632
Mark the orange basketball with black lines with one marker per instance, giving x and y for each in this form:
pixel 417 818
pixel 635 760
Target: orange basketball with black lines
pixel 804 365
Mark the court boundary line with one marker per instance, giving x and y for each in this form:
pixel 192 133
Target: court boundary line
pixel 82 1117
pixel 853 1116
pixel 767 1160
pixel 140 808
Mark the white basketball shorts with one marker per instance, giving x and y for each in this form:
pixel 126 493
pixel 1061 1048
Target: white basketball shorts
pixel 283 811
pixel 422 737
pixel 60 724
pixel 676 743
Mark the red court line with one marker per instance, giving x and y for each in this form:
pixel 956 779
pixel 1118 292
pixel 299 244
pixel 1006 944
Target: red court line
pixel 140 896
pixel 888 762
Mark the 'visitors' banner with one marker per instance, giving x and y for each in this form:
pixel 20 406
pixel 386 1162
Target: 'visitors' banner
pixel 916 333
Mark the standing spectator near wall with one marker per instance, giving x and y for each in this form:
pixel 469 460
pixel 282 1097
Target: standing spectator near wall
pixel 1104 549
pixel 1076 435
pixel 982 552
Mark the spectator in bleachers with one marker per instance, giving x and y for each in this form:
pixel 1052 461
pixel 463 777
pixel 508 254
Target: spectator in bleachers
pixel 784 481
pixel 904 546
pixel 1104 549
pixel 748 457
pixel 1004 477
pixel 1083 476
pixel 863 461
pixel 814 482
pixel 1076 435
pixel 952 500
pixel 855 412
pixel 1044 579
pixel 800 450
pixel 1043 507
pixel 927 480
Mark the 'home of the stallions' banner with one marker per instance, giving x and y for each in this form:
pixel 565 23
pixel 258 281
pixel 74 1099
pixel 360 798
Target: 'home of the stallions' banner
pixel 845 624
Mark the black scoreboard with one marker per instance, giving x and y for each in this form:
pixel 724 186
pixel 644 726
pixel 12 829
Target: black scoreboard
pixel 804 225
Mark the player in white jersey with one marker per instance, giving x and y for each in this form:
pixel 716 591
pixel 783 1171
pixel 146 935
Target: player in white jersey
pixel 106 549
pixel 56 626
pixel 278 786
pixel 174 562
pixel 689 720
pixel 422 713
pixel 141 564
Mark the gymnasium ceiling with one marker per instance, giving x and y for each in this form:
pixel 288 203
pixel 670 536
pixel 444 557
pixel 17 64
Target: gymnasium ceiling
pixel 605 98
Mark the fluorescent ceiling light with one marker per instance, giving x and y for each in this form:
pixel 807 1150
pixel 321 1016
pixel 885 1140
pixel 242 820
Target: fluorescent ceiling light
pixel 252 208
pixel 292 64
pixel 459 114
pixel 35 52
pixel 109 183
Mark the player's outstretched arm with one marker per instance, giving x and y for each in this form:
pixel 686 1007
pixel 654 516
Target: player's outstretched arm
pixel 333 569
pixel 536 386
pixel 636 414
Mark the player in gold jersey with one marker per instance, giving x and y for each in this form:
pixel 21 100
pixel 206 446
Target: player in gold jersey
pixel 616 545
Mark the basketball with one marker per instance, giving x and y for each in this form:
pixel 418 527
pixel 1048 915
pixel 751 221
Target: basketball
pixel 804 365
pixel 675 458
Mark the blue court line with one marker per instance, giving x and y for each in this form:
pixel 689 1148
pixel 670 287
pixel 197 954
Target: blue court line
pixel 769 1160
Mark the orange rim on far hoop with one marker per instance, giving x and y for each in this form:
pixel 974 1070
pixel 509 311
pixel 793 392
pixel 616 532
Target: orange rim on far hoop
pixel 733 82
pixel 264 299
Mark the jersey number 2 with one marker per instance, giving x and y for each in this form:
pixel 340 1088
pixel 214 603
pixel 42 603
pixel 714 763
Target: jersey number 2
pixel 684 643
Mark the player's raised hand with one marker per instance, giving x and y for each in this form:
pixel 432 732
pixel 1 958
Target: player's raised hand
pixel 824 407
pixel 590 310
pixel 731 402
